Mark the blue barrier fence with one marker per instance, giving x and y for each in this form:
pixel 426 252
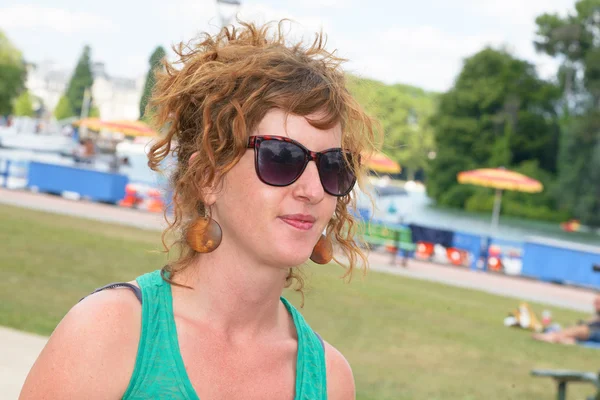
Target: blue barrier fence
pixel 88 183
pixel 543 259
pixel 562 262
pixel 473 244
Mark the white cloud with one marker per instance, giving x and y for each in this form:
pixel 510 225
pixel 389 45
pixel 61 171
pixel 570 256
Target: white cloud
pixel 134 65
pixel 61 20
pixel 188 24
pixel 521 27
pixel 300 26
pixel 519 11
pixel 430 41
pixel 424 50
pixel 321 4
pixel 424 55
pixel 195 10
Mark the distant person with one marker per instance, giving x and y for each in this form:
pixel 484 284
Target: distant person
pixel 84 151
pixel 268 142
pixel 583 332
pixel 117 162
pixel 79 151
pixel 75 136
pixel 90 149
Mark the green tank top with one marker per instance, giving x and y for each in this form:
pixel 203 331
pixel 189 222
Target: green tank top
pixel 159 370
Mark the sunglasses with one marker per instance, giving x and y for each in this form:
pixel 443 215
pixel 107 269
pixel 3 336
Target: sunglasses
pixel 280 161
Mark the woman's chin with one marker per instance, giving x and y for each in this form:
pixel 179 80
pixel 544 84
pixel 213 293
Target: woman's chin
pixel 282 253
pixel 290 259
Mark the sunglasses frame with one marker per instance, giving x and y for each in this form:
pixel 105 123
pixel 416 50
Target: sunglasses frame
pixel 255 141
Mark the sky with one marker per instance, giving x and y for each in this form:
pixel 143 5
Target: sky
pixel 416 42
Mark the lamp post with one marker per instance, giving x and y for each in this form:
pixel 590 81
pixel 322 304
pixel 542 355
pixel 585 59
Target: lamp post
pixel 227 10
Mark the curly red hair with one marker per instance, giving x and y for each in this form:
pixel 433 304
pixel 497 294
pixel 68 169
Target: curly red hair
pixel 213 97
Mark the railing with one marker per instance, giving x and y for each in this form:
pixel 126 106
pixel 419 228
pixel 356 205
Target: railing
pixel 396 239
pixel 5 172
pixel 15 170
pixel 546 260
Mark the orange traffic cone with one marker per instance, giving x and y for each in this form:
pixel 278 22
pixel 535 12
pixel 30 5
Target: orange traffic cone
pixel 155 203
pixel 456 256
pixel 131 199
pixel 424 250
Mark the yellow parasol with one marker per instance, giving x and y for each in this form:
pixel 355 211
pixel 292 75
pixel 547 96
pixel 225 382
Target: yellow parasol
pixel 93 124
pixel 500 179
pixel 128 128
pixel 379 162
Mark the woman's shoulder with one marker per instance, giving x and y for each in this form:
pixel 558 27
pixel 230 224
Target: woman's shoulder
pixel 111 318
pixel 340 380
pixel 92 350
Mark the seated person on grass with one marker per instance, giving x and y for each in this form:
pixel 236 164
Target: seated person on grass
pixel 583 332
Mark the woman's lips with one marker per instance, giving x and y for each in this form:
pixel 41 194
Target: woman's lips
pixel 299 221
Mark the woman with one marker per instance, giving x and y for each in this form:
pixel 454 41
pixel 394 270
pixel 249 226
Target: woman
pixel 267 140
pixel 583 332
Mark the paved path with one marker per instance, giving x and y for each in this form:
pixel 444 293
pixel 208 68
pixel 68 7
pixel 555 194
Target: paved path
pixel 508 286
pixel 19 350
pixel 83 209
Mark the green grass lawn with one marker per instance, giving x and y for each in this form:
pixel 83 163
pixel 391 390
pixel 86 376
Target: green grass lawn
pixel 405 338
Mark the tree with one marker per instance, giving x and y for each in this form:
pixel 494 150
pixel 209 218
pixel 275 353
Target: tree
pixel 63 109
pixel 499 113
pixel 404 112
pixel 155 62
pixel 82 79
pixel 23 105
pixel 574 40
pixel 94 112
pixel 12 74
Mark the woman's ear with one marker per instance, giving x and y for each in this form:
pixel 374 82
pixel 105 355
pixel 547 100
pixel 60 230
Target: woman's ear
pixel 210 197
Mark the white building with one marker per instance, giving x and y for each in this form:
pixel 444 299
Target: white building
pixel 47 82
pixel 115 97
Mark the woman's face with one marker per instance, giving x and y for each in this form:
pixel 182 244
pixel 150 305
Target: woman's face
pixel 262 221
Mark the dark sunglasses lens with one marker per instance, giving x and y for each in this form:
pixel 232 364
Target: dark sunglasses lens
pixel 336 175
pixel 279 163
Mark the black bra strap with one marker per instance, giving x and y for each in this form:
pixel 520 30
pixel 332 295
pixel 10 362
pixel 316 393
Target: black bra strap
pixel 320 340
pixel 136 290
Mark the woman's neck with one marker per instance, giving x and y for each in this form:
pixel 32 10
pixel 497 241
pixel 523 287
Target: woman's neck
pixel 240 299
